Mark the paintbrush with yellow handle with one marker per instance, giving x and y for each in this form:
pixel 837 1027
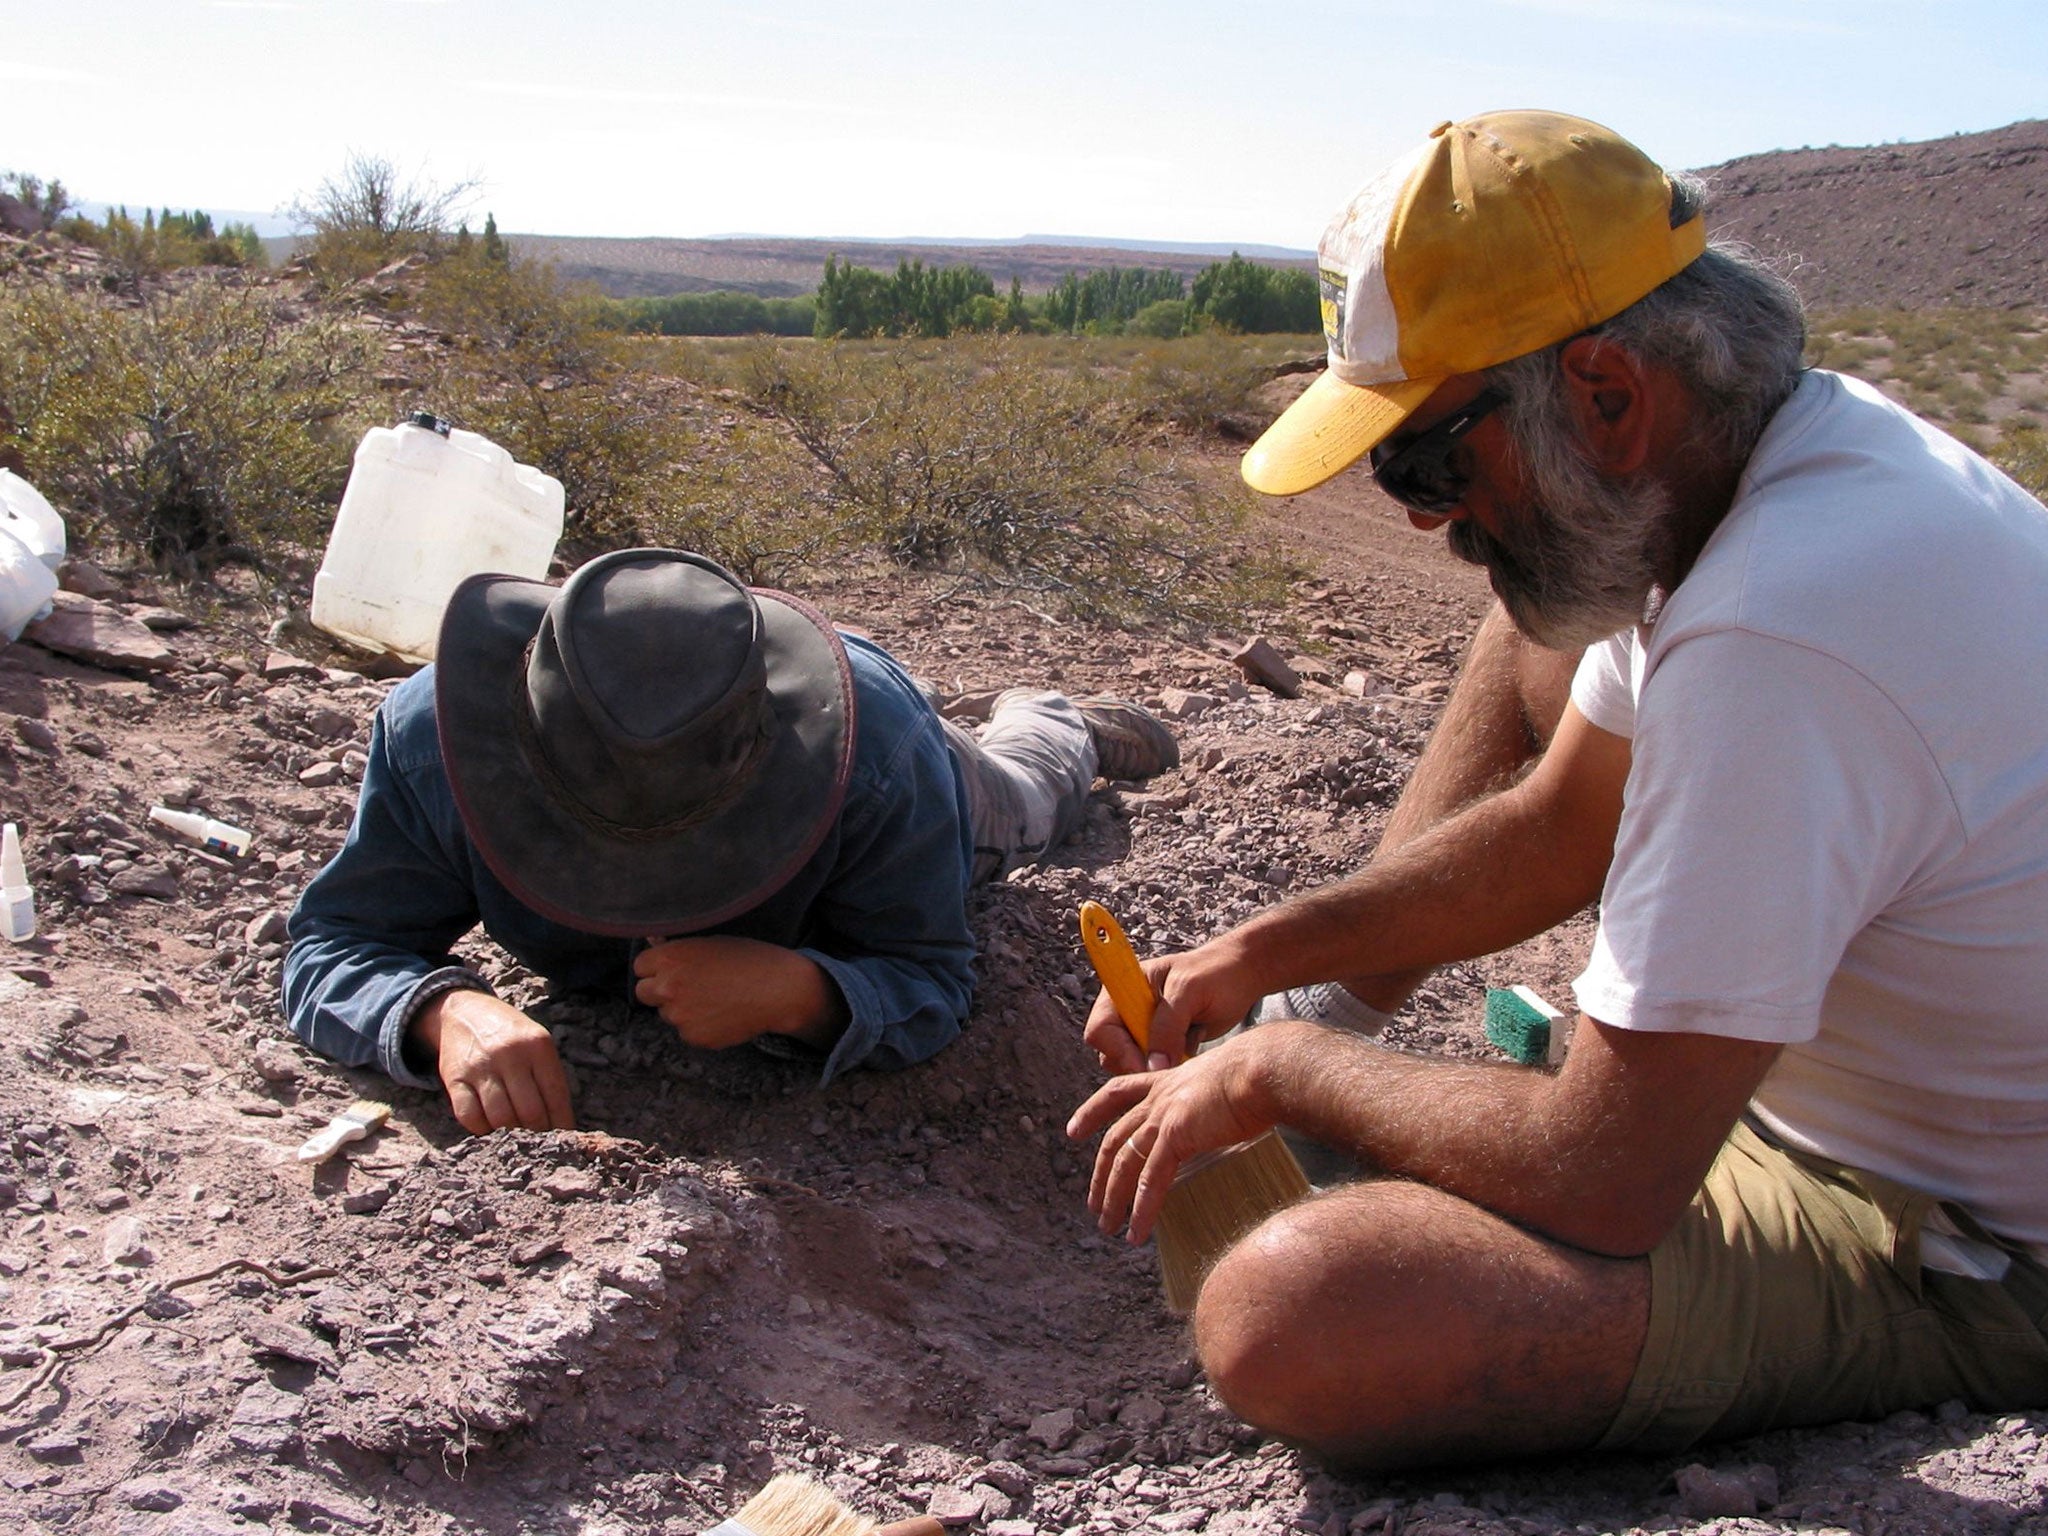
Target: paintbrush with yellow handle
pixel 1217 1196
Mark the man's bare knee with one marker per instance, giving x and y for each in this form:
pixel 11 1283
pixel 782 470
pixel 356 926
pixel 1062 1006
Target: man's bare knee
pixel 1388 1324
pixel 1267 1310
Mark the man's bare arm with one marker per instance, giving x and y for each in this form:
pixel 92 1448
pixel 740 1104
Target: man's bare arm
pixel 1505 868
pixel 1603 1154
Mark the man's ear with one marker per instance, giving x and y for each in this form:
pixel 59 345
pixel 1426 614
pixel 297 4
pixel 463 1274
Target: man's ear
pixel 1613 403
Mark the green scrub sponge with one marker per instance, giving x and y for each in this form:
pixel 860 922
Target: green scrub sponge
pixel 1522 1025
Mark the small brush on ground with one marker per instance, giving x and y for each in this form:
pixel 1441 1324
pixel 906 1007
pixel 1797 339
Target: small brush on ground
pixel 1219 1196
pixel 791 1505
pixel 352 1124
pixel 1524 1027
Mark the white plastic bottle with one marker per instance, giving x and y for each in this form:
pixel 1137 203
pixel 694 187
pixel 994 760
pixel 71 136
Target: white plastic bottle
pixel 214 836
pixel 425 507
pixel 17 901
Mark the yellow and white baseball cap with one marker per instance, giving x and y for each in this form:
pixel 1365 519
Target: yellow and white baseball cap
pixel 1494 237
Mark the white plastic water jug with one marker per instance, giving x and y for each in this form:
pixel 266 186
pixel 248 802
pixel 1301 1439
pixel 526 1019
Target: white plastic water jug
pixel 26 586
pixel 425 507
pixel 26 513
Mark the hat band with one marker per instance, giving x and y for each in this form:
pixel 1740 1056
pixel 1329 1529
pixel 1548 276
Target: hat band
pixel 559 791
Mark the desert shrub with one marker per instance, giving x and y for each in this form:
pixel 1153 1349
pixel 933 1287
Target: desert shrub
pixel 369 215
pixel 758 506
pixel 200 425
pixel 1198 382
pixel 970 458
pixel 534 370
pixel 155 244
pixel 2023 454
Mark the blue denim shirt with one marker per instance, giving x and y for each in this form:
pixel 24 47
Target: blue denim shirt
pixel 881 906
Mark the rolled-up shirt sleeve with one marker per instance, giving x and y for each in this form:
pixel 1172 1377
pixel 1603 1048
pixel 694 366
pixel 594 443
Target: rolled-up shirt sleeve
pixel 372 934
pixel 890 924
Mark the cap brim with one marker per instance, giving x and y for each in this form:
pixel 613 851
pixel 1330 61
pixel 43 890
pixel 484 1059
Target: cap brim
pixel 1327 428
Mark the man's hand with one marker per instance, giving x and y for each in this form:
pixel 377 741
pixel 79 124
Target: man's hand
pixel 1158 1120
pixel 500 1068
pixel 722 991
pixel 1201 993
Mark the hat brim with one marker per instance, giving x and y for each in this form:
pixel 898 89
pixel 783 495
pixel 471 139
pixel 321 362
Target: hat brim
pixel 587 877
pixel 1327 428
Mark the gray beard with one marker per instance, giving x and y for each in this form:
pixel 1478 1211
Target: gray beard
pixel 1579 560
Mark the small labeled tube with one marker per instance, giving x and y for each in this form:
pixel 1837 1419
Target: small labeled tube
pixel 217 836
pixel 17 901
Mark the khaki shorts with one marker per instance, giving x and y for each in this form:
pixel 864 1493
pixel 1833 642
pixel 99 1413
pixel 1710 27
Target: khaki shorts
pixel 1791 1292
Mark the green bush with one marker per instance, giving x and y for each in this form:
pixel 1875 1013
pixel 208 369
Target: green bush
pixel 975 459
pixel 1241 295
pixel 2023 454
pixel 917 301
pixel 1162 319
pixel 1100 303
pixel 202 425
pixel 1200 382
pixel 718 313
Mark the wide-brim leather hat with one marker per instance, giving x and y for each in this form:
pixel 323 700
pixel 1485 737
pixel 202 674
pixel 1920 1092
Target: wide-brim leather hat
pixel 650 749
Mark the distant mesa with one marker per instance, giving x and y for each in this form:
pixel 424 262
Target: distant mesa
pixel 1961 220
pixel 778 267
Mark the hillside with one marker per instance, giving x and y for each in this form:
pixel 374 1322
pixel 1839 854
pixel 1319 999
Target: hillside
pixel 1960 220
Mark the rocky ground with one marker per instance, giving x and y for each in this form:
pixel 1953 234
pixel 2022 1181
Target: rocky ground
pixel 892 1285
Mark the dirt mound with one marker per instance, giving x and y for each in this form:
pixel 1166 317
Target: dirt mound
pixel 891 1285
pixel 1961 220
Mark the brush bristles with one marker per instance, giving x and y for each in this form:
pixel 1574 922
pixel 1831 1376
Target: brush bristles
pixel 1211 1208
pixel 791 1505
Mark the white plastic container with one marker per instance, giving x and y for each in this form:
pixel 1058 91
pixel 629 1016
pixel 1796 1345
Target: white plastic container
pixel 426 507
pixel 214 836
pixel 17 901
pixel 26 513
pixel 27 586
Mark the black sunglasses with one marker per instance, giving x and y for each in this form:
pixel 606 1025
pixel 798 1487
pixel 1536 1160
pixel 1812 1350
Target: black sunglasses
pixel 1419 473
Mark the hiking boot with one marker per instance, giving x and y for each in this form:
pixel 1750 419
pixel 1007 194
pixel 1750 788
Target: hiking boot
pixel 1129 743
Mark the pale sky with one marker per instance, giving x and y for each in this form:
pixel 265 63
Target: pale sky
pixel 1246 121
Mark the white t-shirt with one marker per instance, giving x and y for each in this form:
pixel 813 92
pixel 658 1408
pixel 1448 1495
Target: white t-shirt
pixel 1835 832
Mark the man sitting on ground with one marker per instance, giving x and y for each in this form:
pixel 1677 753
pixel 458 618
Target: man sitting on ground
pixel 1795 1165
pixel 654 772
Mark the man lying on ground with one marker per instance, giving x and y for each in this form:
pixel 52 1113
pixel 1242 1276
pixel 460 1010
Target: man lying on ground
pixel 1795 1166
pixel 654 772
